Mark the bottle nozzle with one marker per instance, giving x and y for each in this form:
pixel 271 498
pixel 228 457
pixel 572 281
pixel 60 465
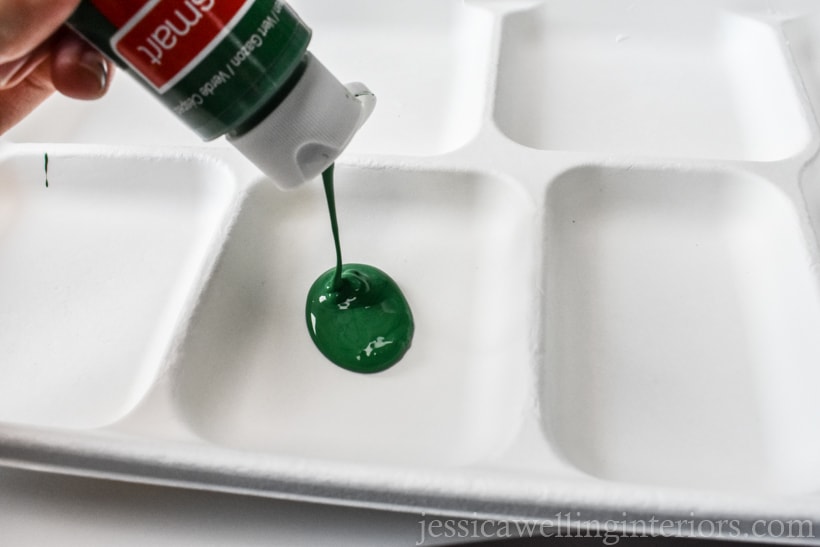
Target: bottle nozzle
pixel 308 131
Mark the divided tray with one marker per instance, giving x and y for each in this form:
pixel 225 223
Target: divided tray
pixel 604 216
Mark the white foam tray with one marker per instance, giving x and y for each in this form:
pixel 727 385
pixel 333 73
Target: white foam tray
pixel 604 215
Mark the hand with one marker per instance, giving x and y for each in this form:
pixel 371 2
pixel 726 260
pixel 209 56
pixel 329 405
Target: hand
pixel 38 55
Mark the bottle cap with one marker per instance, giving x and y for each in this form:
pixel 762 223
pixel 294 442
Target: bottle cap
pixel 309 129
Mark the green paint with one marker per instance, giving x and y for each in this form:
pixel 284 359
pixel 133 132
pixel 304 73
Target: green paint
pixel 356 314
pixel 330 194
pixel 45 167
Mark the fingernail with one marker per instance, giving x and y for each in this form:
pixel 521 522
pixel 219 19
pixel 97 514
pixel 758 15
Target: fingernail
pixel 94 63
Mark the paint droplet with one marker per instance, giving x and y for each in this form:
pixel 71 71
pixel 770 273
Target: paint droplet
pixel 356 314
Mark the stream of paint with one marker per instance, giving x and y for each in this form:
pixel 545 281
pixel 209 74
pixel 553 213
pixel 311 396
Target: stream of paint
pixel 356 314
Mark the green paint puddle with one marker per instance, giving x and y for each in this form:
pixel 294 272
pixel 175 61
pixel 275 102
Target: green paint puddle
pixel 356 314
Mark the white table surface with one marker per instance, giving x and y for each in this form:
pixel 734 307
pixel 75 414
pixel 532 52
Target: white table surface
pixel 43 509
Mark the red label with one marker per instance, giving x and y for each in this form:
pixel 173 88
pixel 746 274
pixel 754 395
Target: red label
pixel 163 37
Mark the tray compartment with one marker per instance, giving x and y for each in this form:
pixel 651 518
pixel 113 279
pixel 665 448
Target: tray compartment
pixel 427 62
pixel 681 313
pixel 459 245
pixel 94 274
pixel 658 79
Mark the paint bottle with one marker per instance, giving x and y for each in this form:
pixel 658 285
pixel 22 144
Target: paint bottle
pixel 238 68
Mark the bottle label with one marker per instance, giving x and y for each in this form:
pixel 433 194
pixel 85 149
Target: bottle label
pixel 165 39
pixel 216 64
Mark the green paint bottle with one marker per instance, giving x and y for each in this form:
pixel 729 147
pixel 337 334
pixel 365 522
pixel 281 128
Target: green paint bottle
pixel 238 68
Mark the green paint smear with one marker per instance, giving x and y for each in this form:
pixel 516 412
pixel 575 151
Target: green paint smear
pixel 356 314
pixel 45 166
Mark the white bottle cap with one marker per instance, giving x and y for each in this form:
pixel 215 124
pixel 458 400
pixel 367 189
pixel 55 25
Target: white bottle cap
pixel 309 129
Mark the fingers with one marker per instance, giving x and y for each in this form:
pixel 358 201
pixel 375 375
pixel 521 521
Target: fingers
pixel 14 72
pixel 17 102
pixel 24 24
pixel 37 56
pixel 77 69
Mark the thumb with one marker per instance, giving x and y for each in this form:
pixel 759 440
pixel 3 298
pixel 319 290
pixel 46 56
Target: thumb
pixel 77 69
